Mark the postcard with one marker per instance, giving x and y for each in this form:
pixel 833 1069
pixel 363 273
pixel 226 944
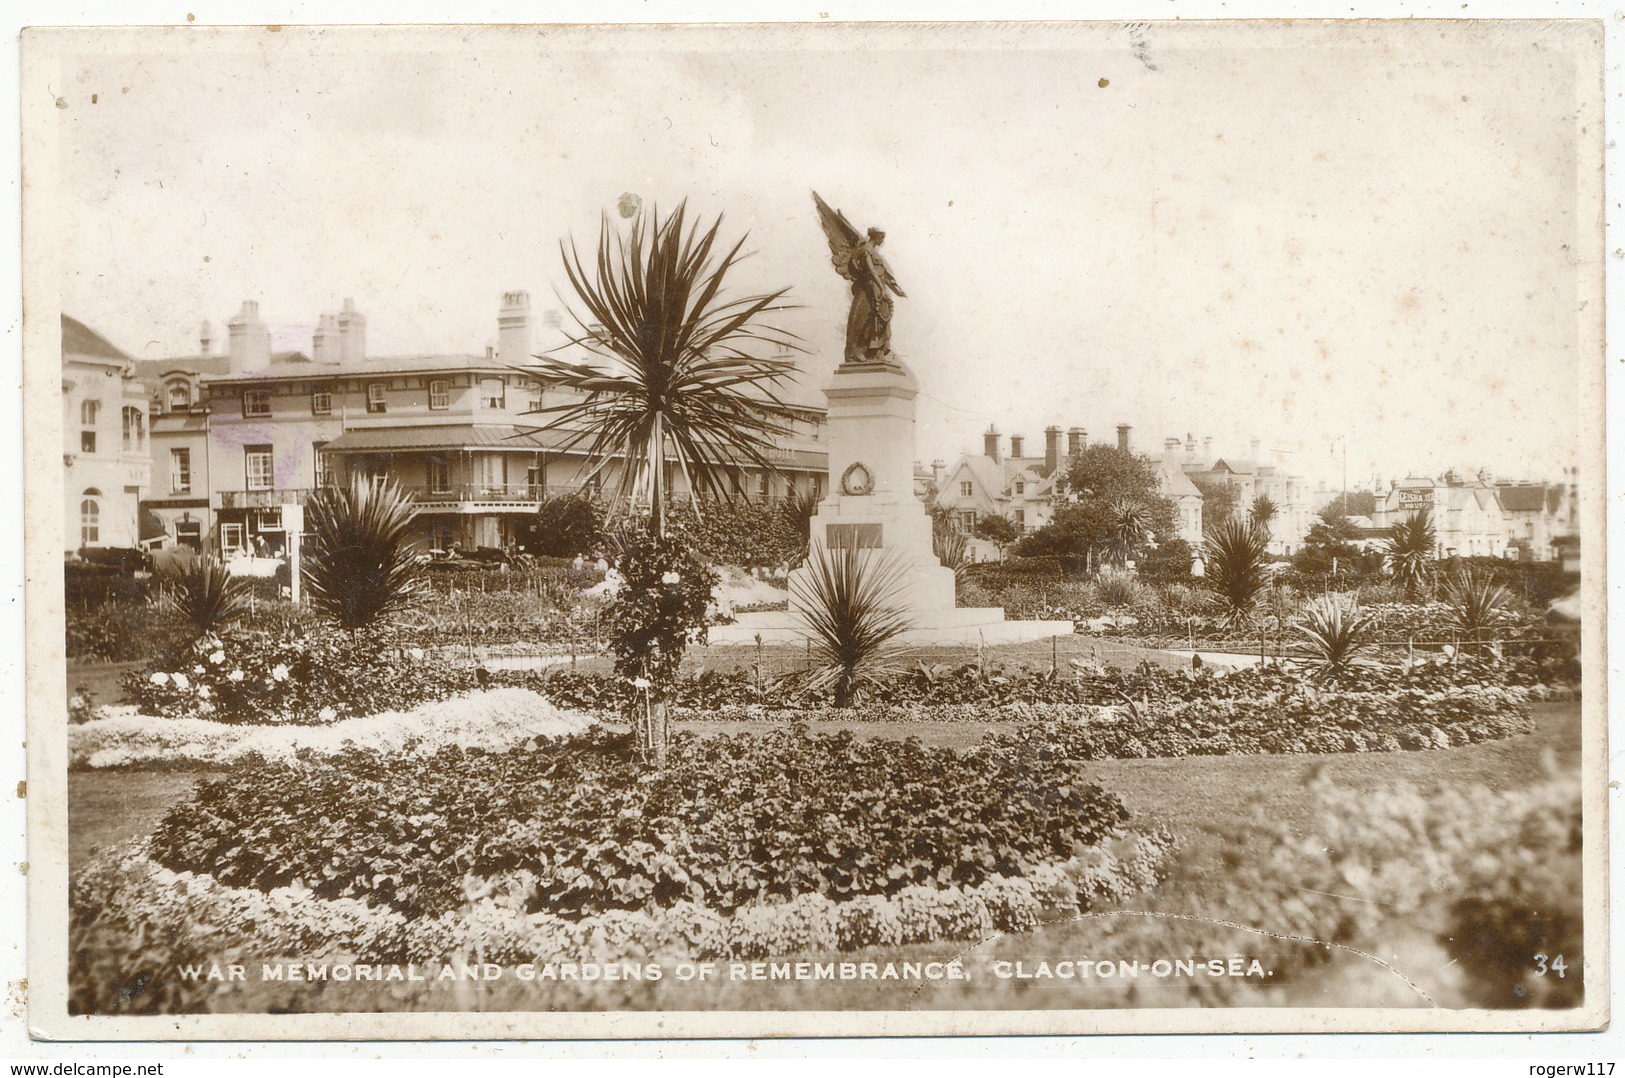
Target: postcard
pixel 814 530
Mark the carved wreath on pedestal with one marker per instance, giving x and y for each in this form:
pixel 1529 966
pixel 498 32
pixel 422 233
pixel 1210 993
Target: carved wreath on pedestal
pixel 857 480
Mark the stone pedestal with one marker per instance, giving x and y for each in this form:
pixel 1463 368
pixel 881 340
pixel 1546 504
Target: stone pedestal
pixel 871 485
pixel 871 498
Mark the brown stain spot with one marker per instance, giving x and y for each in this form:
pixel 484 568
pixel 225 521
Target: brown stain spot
pixel 1103 83
pixel 17 997
pixel 1324 349
pixel 22 868
pixel 22 788
pixel 191 17
pixel 273 29
pixel 93 98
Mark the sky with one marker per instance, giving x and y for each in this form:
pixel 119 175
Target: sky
pixel 1351 243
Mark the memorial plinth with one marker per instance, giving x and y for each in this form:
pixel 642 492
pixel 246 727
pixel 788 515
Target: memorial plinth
pixel 871 502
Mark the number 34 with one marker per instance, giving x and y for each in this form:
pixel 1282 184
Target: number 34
pixel 1555 965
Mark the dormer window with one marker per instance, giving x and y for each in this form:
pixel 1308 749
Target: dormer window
pixel 180 396
pixel 375 398
pixel 256 402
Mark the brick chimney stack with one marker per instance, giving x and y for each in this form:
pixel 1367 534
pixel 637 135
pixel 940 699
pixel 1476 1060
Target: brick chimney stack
pixel 248 341
pixel 1122 436
pixel 1077 440
pixel 205 338
pixel 513 328
pixel 990 444
pixel 1052 449
pixel 1016 441
pixel 324 342
pixel 352 333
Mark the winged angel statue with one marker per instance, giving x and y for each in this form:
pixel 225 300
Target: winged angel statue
pixel 857 258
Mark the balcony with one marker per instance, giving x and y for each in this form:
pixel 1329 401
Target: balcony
pixel 466 497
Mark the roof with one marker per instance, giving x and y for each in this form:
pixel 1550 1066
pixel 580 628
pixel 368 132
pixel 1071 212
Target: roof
pixel 154 370
pixel 284 366
pixel 1175 483
pixel 80 340
pixel 1530 498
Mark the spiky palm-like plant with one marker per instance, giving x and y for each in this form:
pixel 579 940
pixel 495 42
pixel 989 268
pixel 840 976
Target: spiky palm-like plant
pixel 796 514
pixel 1332 634
pixel 1264 511
pixel 1130 524
pixel 1410 550
pixel 850 598
pixel 361 565
pixel 1475 603
pixel 949 544
pixel 1234 555
pixel 204 594
pixel 672 377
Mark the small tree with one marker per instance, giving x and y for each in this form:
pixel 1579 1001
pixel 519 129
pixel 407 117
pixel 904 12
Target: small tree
pixel 1411 543
pixel 361 565
pixel 564 526
pixel 999 530
pixel 1235 555
pixel 1328 546
pixel 1264 511
pixel 658 611
pixel 1332 635
pixel 1113 509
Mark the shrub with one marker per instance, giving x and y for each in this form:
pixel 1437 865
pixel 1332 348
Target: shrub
pixel 564 526
pixel 1117 588
pixel 204 595
pixel 580 828
pixel 120 631
pixel 1476 605
pixel 1235 556
pixel 361 565
pixel 851 602
pixel 1332 633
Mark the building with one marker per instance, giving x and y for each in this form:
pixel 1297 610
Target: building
pixel 106 458
pixel 1249 478
pixel 1540 518
pixel 1016 486
pixel 1467 514
pixel 244 436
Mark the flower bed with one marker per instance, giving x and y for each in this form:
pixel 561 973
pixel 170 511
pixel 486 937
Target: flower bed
pixel 494 721
pixel 142 896
pixel 579 827
pixel 319 678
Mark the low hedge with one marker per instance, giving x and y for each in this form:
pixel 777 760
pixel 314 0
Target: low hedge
pixel 581 827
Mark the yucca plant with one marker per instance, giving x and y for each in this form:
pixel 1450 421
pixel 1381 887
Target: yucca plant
pixel 1410 548
pixel 1117 588
pixel 1332 634
pixel 797 512
pixel 1263 511
pixel 850 599
pixel 1129 526
pixel 361 565
pixel 1234 554
pixel 1475 603
pixel 950 546
pixel 672 377
pixel 204 595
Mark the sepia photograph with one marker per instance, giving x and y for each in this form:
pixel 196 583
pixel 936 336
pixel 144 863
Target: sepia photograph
pixel 815 529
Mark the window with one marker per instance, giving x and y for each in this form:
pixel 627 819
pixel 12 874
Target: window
pixel 968 519
pixel 321 400
pixel 440 394
pixel 492 393
pixel 257 468
pixel 965 489
pixel 231 538
pixel 256 402
pixel 319 459
pixel 180 396
pixel 90 518
pixel 439 475
pixel 180 471
pixel 89 412
pixel 375 398
pixel 1021 520
pixel 762 484
pixel 1021 486
pixel 135 430
pixel 493 473
pixel 534 389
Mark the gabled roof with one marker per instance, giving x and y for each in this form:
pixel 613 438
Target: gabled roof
pixel 1530 498
pixel 80 340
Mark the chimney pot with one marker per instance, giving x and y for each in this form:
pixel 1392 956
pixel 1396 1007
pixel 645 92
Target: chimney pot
pixel 990 444
pixel 513 328
pixel 1016 441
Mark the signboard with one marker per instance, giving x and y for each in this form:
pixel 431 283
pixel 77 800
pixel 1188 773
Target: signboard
pixel 1416 499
